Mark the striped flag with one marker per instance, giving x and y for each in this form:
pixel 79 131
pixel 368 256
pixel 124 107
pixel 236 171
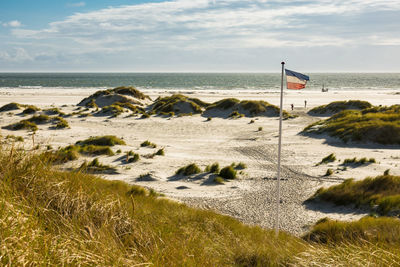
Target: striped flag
pixel 295 80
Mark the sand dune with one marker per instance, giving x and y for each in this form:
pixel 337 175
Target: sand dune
pixel 193 139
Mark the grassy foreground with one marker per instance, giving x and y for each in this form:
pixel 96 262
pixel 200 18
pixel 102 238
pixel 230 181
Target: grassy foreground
pixel 50 217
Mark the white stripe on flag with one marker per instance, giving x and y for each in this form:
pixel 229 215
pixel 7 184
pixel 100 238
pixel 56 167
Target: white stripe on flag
pixel 293 79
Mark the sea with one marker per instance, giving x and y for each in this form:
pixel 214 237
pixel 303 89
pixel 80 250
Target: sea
pixel 196 81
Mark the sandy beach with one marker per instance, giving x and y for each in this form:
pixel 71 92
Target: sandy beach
pixel 193 139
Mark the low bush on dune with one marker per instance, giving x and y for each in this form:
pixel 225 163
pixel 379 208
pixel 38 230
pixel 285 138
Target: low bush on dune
pixel 330 158
pixel 106 140
pixel 382 191
pixel 96 167
pixel 360 161
pixel 22 125
pixel 213 168
pixel 147 143
pixel 61 123
pixel 178 103
pixel 11 106
pixel 30 109
pixel 50 217
pixel 337 106
pixel 368 125
pixel 383 230
pixel 228 172
pixel 189 170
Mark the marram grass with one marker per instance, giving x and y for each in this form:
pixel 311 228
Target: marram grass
pixel 51 217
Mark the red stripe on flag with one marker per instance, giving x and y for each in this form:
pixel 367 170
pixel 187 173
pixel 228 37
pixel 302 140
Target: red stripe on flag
pixel 295 86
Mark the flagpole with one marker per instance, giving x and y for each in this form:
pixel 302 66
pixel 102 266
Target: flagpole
pixel 278 178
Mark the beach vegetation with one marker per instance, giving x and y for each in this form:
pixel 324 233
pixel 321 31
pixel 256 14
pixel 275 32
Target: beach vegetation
pixel 189 170
pixel 240 166
pixel 327 231
pixel 147 143
pixel 235 114
pixel 209 118
pixel 53 111
pixel 11 106
pixel 51 217
pixel 338 106
pixel 383 191
pixel 330 158
pixel 92 104
pixel 251 121
pixel 160 152
pixel 112 110
pixel 329 172
pixel 106 140
pixel 213 168
pixel 182 114
pixel 360 161
pixel 39 119
pixel 15 138
pixel 386 172
pixel 145 115
pixel 30 109
pixel 219 180
pixel 260 129
pixel 61 123
pixel 362 126
pixel 178 103
pixel 96 167
pixel 132 157
pixel 228 173
pixel 22 125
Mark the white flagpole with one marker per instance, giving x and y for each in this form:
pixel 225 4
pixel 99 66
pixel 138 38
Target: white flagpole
pixel 278 178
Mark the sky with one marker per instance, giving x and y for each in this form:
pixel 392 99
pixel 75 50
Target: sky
pixel 199 35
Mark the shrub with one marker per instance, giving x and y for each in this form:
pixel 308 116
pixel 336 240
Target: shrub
pixel 106 140
pixel 30 110
pixel 241 166
pixel 337 106
pixel 22 125
pixel 228 173
pixel 329 172
pixel 189 170
pixel 135 157
pixel 330 158
pixel 219 180
pixel 10 106
pixel 61 123
pixel 147 143
pixel 370 191
pixel 160 152
pixel 381 127
pixel 213 168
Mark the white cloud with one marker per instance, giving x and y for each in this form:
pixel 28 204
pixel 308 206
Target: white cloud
pixel 18 54
pixel 13 23
pixel 212 26
pixel 78 4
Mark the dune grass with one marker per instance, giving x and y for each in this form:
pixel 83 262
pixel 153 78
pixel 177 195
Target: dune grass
pixel 147 143
pixel 61 123
pixel 11 106
pixel 22 125
pixel 96 167
pixel 228 172
pixel 30 109
pixel 379 125
pixel 361 161
pixel 15 138
pixel 106 140
pixel 383 191
pixel 213 168
pixel 189 170
pixel 337 106
pixel 51 217
pixel 178 103
pixel 330 158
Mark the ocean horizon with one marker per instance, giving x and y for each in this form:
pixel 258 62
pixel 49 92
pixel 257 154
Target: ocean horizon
pixel 194 81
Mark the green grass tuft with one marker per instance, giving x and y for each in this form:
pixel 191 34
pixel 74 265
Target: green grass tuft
pixel 383 191
pixel 337 106
pixel 30 109
pixel 11 106
pixel 189 170
pixel 147 143
pixel 330 158
pixel 106 140
pixel 228 172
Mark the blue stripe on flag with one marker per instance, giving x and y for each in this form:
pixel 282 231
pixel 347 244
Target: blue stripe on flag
pixel 296 74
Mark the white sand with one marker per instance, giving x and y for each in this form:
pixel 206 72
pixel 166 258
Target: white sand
pixel 251 198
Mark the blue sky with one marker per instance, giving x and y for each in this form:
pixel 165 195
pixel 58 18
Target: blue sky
pixel 200 35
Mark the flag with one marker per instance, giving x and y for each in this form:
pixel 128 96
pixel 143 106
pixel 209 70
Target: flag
pixel 295 80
